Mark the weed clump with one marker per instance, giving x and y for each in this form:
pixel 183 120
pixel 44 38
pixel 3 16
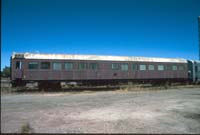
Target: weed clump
pixel 26 128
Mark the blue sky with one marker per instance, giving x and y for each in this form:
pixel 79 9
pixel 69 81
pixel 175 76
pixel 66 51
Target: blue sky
pixel 151 28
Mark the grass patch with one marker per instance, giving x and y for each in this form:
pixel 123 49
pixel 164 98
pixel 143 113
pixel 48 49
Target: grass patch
pixel 26 128
pixel 8 90
pixel 166 86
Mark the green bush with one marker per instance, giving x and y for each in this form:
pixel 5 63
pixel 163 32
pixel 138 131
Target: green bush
pixel 5 72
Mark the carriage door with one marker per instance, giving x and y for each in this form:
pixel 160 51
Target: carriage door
pixel 18 67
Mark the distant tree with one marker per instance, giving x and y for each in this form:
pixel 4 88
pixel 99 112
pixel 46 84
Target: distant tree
pixel 5 72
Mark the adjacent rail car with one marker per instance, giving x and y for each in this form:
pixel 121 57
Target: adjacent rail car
pixel 196 75
pixel 47 69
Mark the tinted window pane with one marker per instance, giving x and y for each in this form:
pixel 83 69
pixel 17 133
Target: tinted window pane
pixel 174 67
pixel 160 67
pixel 181 68
pixel 134 67
pixel 57 66
pixel 93 66
pixel 142 67
pixel 18 65
pixel 69 66
pixel 45 65
pixel 168 67
pixel 198 68
pixel 115 66
pixel 33 65
pixel 124 67
pixel 195 68
pixel 82 66
pixel 151 67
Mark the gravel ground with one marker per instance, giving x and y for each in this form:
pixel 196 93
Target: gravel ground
pixel 165 111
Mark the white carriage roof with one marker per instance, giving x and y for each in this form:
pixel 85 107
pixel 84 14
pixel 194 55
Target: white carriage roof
pixel 95 57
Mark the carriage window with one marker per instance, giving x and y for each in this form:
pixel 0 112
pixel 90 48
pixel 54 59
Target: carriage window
pixel 124 67
pixel 33 65
pixel 57 66
pixel 142 67
pixel 69 66
pixel 18 65
pixel 45 65
pixel 151 67
pixel 115 66
pixel 181 68
pixel 134 67
pixel 198 68
pixel 195 68
pixel 82 66
pixel 93 66
pixel 168 67
pixel 174 67
pixel 160 67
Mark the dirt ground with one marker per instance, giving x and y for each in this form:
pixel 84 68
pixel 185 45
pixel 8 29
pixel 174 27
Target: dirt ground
pixel 163 111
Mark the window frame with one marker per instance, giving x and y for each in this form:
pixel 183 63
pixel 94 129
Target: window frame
pixel 66 67
pixel 124 65
pixel 134 67
pixel 60 68
pixel 49 64
pixel 145 67
pixel 151 69
pixel 18 64
pixel 91 66
pixel 36 63
pixel 82 63
pixel 198 68
pixel 115 67
pixel 168 67
pixel 181 68
pixel 174 69
pixel 161 69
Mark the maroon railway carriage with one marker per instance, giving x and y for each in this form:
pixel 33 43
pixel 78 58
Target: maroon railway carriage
pixel 49 69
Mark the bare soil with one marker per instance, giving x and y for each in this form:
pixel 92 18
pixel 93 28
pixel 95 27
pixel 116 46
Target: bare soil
pixel 165 111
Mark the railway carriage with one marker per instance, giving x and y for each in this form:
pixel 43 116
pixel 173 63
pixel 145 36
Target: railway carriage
pixel 50 70
pixel 197 71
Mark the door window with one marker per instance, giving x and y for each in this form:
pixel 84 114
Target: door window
pixel 18 65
